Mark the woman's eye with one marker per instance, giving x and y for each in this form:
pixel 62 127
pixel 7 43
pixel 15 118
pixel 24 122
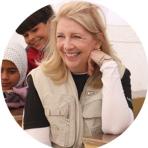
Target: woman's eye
pixel 60 36
pixel 78 37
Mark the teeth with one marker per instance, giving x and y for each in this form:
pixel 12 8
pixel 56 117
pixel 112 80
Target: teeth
pixel 72 54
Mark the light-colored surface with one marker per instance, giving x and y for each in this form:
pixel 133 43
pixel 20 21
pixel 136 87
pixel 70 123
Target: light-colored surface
pixel 17 38
pixel 129 48
pixel 137 105
pixel 99 141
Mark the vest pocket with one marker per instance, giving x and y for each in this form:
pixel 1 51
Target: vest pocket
pixel 92 117
pixel 62 122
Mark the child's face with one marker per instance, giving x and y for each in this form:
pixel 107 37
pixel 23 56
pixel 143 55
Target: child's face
pixel 38 36
pixel 9 75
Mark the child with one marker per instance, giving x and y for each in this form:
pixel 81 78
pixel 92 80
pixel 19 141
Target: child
pixel 35 30
pixel 13 74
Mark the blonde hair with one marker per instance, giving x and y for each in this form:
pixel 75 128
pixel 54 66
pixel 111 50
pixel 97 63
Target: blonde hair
pixel 92 19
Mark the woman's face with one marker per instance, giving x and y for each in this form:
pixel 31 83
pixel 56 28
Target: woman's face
pixel 38 36
pixel 74 44
pixel 9 75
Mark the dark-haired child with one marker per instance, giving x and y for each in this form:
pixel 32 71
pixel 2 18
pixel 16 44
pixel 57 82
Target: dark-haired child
pixel 35 30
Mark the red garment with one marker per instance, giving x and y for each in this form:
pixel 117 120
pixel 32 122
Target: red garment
pixel 33 56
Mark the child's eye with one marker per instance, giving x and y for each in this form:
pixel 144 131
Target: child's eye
pixel 12 71
pixel 34 29
pixel 25 35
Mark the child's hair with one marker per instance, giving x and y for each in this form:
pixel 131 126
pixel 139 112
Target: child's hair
pixel 40 16
pixel 16 54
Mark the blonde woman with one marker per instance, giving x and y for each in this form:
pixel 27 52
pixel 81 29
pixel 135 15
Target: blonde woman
pixel 81 87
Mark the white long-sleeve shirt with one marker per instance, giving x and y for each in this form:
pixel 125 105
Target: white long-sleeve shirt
pixel 116 115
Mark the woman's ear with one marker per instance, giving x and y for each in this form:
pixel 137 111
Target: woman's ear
pixel 98 45
pixel 99 40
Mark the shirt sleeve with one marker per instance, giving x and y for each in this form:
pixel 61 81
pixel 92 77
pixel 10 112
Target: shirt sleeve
pixel 34 116
pixel 116 114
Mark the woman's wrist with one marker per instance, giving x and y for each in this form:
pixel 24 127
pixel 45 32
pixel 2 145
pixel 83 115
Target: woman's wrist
pixel 103 60
pixel 99 57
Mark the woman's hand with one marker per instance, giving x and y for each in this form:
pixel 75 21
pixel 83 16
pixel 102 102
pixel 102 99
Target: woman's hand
pixel 97 57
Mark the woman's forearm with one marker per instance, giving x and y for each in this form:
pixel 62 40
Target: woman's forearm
pixel 116 115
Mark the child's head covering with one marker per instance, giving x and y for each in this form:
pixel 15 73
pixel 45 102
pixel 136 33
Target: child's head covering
pixel 40 16
pixel 16 53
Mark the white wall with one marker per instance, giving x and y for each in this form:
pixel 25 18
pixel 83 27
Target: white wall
pixel 16 38
pixel 129 48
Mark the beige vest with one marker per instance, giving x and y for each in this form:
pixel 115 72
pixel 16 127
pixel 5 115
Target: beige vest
pixel 70 119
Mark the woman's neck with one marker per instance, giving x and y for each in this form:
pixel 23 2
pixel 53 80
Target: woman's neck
pixel 79 73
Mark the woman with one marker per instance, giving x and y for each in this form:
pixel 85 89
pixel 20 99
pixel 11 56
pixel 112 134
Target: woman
pixel 77 91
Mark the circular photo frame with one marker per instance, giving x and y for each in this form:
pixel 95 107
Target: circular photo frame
pixel 30 41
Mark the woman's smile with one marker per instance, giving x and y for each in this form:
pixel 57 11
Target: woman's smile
pixel 72 55
pixel 74 44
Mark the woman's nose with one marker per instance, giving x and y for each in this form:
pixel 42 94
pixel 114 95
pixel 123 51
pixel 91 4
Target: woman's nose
pixel 68 44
